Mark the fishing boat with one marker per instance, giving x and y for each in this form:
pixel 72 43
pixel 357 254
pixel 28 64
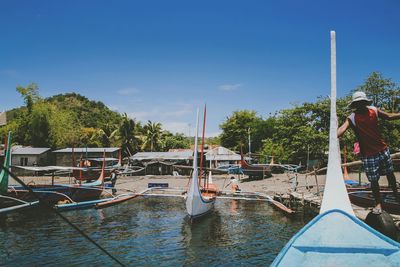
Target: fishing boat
pixel 198 202
pixel 365 198
pixel 255 170
pixel 336 237
pixel 52 194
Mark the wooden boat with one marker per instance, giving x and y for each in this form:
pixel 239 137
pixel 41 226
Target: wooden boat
pixel 255 170
pixel 198 202
pixel 52 194
pixel 336 237
pixel 366 199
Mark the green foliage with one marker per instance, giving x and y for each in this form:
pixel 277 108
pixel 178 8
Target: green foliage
pixel 152 136
pixel 174 141
pixel 292 133
pixel 383 91
pixel 235 130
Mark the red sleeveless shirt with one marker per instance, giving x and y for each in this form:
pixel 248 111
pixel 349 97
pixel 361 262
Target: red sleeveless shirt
pixel 366 128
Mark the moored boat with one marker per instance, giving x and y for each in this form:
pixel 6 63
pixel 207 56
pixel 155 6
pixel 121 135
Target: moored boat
pixel 198 203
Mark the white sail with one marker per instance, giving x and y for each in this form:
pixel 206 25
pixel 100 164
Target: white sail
pixel 335 193
pixel 196 205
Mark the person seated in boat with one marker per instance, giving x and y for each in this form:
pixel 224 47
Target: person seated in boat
pixel 234 185
pixel 374 152
pixel 114 176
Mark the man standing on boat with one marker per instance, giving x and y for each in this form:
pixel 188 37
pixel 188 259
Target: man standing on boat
pixel 374 152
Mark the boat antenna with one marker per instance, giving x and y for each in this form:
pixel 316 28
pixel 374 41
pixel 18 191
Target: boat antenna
pixel 65 219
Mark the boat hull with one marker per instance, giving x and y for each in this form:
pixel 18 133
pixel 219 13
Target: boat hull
pixel 335 238
pixel 197 205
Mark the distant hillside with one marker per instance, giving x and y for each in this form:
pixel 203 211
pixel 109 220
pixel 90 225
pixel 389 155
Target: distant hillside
pixel 90 113
pixel 63 120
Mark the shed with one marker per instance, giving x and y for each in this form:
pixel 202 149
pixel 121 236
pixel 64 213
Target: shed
pixel 161 163
pixel 63 157
pixel 220 156
pixel 30 156
pixel 164 156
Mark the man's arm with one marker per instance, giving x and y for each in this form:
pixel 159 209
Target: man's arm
pixel 388 116
pixel 342 129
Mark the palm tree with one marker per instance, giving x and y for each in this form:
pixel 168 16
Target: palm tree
pixel 107 135
pixel 127 131
pixel 152 135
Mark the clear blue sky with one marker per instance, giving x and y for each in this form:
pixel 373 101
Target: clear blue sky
pixel 159 60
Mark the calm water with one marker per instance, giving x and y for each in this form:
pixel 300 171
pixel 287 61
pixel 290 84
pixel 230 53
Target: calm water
pixel 150 232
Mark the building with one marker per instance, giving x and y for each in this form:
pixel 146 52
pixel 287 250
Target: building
pixel 30 156
pixel 221 156
pixel 161 163
pixel 63 157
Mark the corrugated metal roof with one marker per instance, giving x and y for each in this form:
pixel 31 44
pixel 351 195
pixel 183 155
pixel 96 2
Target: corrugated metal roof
pixel 89 150
pixel 182 155
pixel 29 150
pixel 222 153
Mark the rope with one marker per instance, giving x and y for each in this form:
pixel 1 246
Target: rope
pixel 46 205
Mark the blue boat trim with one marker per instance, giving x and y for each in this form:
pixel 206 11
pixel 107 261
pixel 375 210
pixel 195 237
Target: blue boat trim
pixel 280 256
pixel 345 250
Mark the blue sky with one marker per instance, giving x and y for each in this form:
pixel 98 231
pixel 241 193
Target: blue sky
pixel 159 60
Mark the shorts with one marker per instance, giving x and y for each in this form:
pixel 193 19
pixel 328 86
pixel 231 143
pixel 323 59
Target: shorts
pixel 377 165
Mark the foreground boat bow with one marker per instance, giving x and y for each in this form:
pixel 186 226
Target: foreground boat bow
pixel 336 237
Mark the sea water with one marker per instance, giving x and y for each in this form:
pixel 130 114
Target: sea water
pixel 148 232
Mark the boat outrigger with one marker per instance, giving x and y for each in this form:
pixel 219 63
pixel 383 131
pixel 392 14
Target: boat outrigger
pixel 75 195
pixel 336 237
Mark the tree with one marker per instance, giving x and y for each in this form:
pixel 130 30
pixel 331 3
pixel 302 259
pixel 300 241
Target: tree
pixel 235 130
pixel 152 135
pixel 30 95
pixel 171 141
pixel 107 135
pixel 127 135
pixel 383 91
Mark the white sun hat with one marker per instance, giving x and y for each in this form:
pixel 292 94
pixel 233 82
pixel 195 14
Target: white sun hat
pixel 359 96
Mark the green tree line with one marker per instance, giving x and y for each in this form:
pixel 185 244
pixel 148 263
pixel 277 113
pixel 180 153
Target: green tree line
pixel 72 120
pixel 291 134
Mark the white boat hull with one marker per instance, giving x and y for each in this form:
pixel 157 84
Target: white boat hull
pixel 196 204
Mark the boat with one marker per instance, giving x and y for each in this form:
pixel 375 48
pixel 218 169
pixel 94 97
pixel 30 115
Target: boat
pixel 365 198
pixel 12 195
pixel 336 237
pixel 198 202
pixel 68 193
pixel 255 170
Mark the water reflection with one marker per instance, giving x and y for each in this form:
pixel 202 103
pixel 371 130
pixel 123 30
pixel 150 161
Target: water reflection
pixel 151 232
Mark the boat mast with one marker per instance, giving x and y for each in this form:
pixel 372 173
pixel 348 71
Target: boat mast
pixel 195 167
pixel 335 193
pixel 202 146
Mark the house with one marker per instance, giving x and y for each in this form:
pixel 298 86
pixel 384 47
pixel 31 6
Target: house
pixel 63 157
pixel 220 156
pixel 30 156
